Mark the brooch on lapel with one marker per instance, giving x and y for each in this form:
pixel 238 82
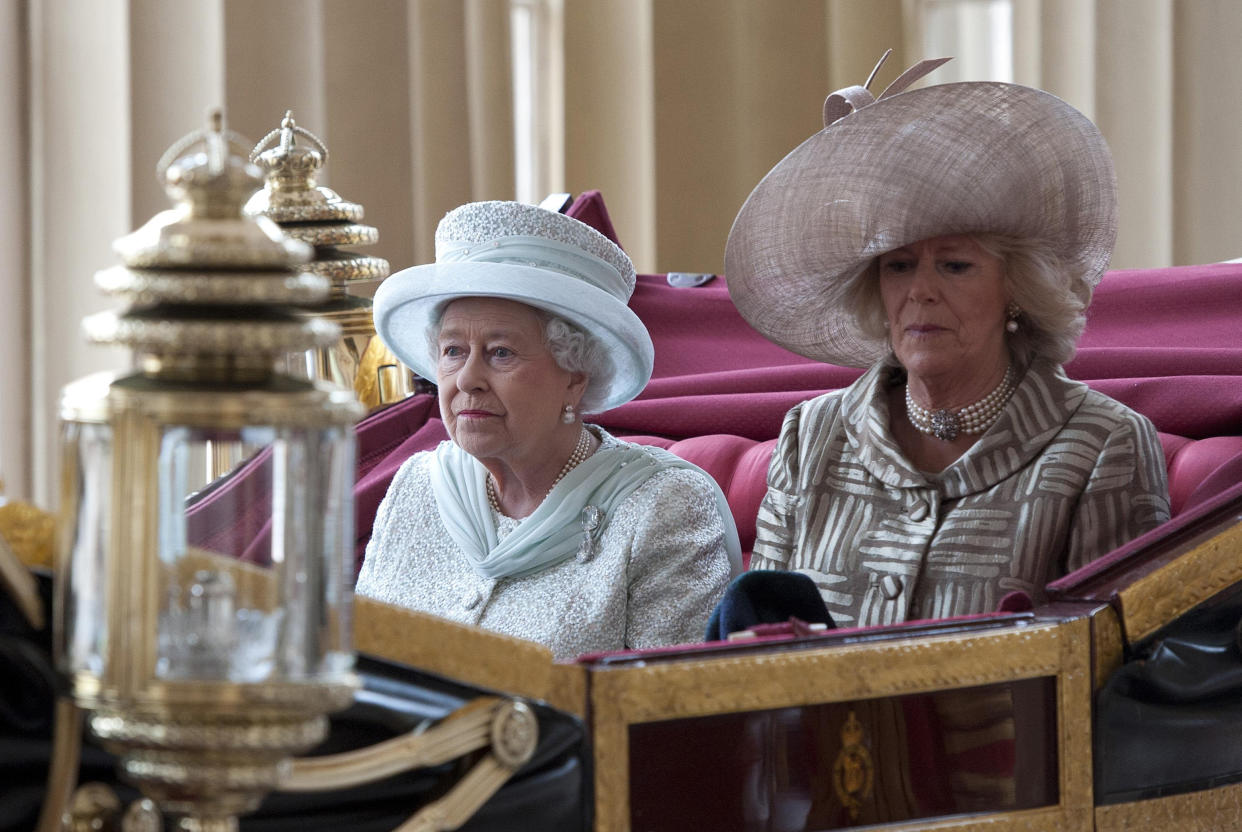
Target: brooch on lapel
pixel 592 522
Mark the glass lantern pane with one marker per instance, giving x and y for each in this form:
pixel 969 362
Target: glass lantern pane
pixel 87 450
pixel 257 570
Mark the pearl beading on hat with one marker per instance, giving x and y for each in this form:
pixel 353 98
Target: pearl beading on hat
pixel 479 224
pixel 975 418
pixel 581 451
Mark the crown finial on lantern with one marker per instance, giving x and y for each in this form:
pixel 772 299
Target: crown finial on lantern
pixel 209 178
pixel 320 217
pixel 213 182
pixel 287 164
pixel 213 290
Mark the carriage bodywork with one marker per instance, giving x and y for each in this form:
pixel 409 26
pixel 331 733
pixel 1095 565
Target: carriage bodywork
pixel 1011 720
pixel 988 722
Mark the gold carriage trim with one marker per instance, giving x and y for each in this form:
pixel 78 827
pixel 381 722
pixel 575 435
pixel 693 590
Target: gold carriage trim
pixel 853 773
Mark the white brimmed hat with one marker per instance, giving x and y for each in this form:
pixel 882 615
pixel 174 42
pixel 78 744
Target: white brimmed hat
pixel 975 157
pixel 531 255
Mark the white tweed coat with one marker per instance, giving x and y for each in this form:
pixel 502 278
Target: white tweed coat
pixel 657 570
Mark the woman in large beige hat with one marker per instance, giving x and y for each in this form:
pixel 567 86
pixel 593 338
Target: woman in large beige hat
pixel 949 239
pixel 530 521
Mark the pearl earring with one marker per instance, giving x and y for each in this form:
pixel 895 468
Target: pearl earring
pixel 1012 311
pixel 568 416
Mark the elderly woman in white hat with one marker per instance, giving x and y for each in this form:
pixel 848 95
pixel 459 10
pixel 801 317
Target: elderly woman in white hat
pixel 949 239
pixel 531 522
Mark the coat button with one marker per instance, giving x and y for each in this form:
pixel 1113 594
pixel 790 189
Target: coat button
pixel 890 587
pixel 471 598
pixel 918 511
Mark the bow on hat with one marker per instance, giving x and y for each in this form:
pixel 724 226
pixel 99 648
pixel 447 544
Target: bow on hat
pixel 853 98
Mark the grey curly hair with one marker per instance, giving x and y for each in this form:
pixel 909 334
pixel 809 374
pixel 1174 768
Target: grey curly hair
pixel 574 350
pixel 1052 298
pixel 577 351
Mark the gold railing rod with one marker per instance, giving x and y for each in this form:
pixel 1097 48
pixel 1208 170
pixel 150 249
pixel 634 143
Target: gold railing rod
pixel 466 729
pixel 16 580
pixel 62 775
pixel 462 801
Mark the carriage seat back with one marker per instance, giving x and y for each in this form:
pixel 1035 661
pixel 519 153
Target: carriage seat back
pixel 1198 470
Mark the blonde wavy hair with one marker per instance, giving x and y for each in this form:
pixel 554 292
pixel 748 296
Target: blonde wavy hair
pixel 1052 295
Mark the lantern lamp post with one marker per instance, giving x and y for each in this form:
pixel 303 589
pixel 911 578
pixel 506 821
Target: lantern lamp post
pixel 207 657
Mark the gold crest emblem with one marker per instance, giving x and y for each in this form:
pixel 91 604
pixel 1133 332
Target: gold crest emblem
pixel 853 773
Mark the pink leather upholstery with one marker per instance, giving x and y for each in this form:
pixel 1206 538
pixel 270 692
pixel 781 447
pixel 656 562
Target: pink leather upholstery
pixel 1192 464
pixel 1199 469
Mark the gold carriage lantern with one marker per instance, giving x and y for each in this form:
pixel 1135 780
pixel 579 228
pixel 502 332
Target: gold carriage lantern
pixel 206 644
pixel 291 157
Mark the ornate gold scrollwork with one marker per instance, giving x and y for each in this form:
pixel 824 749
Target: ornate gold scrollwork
pixel 853 773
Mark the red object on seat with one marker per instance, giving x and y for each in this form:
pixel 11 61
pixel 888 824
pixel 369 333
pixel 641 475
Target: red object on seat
pixel 589 208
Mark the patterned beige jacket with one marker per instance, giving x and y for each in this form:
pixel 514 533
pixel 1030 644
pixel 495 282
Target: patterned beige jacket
pixel 1064 476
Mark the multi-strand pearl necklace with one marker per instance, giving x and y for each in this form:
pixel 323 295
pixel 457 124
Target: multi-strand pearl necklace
pixel 581 451
pixel 971 419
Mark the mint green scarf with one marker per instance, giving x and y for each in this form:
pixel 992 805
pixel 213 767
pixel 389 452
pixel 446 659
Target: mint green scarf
pixel 555 530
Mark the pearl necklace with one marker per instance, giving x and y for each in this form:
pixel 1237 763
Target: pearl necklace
pixel 581 452
pixel 947 425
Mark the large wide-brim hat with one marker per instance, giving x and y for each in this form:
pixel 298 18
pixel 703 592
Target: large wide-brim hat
pixel 972 157
pixel 531 255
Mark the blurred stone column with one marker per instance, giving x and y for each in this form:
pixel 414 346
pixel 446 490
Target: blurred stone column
pixel 15 346
pixel 273 61
pixel 610 118
pixel 448 43
pixel 1134 110
pixel 1207 131
pixel 81 177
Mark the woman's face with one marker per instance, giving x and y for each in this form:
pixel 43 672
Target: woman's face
pixel 501 392
pixel 944 300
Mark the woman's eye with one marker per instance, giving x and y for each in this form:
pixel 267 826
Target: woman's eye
pixel 956 266
pixel 897 266
pixel 451 351
pixel 502 352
